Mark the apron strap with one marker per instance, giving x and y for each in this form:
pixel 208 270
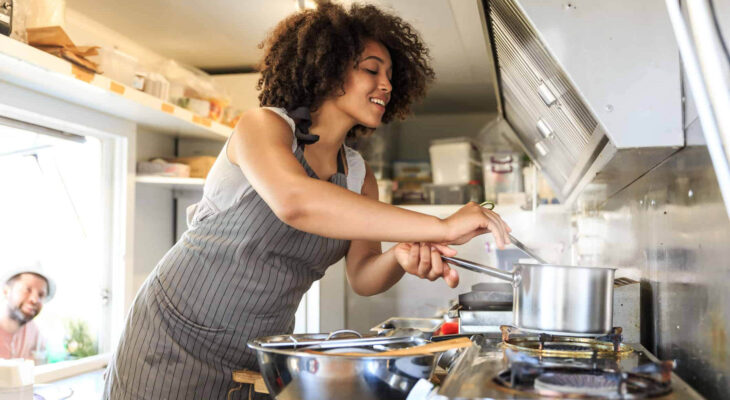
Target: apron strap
pixel 302 122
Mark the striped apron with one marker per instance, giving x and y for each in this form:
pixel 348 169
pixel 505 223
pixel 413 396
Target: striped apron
pixel 234 276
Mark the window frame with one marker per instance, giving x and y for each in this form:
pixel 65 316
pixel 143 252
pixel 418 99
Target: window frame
pixel 117 137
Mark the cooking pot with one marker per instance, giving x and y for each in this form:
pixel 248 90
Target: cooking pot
pixel 556 299
pixel 313 366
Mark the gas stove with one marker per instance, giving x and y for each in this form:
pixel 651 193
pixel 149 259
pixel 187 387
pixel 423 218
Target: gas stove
pixel 521 365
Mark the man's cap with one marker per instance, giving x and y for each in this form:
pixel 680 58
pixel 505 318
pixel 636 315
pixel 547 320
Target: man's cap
pixel 35 269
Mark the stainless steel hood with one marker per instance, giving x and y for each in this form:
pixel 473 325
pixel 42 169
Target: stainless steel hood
pixel 591 90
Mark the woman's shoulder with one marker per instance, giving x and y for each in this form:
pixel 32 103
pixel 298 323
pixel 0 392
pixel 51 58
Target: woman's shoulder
pixel 266 118
pixel 262 125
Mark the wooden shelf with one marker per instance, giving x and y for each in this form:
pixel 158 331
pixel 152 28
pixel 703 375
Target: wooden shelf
pixel 171 183
pixel 28 67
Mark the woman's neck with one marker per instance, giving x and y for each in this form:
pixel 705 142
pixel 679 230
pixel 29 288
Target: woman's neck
pixel 332 125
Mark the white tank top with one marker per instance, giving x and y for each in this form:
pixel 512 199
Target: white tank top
pixel 226 184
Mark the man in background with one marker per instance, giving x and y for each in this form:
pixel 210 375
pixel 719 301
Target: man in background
pixel 24 294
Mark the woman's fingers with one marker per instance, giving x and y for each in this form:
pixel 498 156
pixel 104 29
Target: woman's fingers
pixel 445 250
pixel 424 260
pixel 437 266
pixel 424 264
pixel 451 277
pixel 413 256
pixel 498 228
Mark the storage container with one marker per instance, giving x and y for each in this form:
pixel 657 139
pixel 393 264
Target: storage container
pixel 453 193
pixel 454 161
pixel 199 165
pixel 117 65
pixel 411 171
pixel 385 191
pixel 160 167
pixel 16 379
pixel 502 174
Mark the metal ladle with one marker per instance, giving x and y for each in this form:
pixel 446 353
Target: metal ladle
pixel 490 206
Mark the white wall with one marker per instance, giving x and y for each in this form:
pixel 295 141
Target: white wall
pixel 154 216
pixel 241 88
pixel 84 31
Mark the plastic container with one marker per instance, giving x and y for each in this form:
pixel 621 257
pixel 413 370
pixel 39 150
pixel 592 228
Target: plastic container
pixel 453 193
pixel 502 173
pixel 118 66
pixel 16 379
pixel 454 161
pixel 411 171
pixel 385 191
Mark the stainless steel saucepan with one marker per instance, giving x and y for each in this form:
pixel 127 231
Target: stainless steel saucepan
pixel 557 299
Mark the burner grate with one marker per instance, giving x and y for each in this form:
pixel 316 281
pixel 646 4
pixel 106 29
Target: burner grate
pixel 565 346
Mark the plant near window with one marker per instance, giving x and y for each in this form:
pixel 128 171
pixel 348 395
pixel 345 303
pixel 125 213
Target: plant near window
pixel 79 342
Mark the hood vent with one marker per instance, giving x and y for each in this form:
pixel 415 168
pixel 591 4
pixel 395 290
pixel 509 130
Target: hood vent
pixel 538 100
pixel 584 97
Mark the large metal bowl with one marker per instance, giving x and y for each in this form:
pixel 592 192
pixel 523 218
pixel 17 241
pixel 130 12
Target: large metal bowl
pixel 298 374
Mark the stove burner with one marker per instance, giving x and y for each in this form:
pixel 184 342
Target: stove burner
pixel 558 381
pixel 579 383
pixel 565 346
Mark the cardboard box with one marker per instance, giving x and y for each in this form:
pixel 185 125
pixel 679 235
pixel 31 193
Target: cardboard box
pixel 199 165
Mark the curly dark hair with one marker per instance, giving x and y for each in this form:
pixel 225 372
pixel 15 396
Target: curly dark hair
pixel 307 54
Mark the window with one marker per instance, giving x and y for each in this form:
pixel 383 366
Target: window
pixel 54 213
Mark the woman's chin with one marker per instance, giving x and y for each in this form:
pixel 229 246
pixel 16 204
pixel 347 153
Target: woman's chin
pixel 372 124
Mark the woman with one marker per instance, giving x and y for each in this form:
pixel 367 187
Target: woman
pixel 284 200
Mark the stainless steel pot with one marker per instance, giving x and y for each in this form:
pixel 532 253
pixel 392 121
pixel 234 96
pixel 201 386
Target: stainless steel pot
pixel 300 374
pixel 557 299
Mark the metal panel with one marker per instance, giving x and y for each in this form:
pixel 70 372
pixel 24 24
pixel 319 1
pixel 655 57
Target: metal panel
pixel 670 226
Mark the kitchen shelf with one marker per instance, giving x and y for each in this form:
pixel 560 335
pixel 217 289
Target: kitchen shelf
pixel 171 183
pixel 28 67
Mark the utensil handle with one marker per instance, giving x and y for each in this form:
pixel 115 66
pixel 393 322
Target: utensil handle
pixel 433 347
pixel 526 249
pixel 483 269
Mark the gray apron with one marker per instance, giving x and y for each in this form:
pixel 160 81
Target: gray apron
pixel 234 276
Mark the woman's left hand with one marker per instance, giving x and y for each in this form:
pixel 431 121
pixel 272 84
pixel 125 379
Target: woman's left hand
pixel 424 261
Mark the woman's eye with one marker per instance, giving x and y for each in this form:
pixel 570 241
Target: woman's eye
pixel 372 71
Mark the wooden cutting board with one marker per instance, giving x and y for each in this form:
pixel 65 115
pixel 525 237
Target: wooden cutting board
pixel 251 378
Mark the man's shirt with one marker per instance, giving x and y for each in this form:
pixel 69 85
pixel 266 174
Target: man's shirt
pixel 21 344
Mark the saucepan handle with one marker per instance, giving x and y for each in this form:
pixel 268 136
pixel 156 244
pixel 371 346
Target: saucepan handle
pixel 483 269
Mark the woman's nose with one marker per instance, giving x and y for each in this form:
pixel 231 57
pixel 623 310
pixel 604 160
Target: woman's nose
pixel 385 85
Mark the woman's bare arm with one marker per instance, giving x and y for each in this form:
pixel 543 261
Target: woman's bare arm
pixel 261 147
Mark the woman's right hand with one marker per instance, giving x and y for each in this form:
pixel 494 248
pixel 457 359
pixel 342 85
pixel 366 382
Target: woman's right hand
pixel 473 220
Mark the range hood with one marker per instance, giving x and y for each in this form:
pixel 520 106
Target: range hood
pixel 591 90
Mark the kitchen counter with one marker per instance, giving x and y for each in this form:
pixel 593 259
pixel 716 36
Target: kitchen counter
pixel 89 385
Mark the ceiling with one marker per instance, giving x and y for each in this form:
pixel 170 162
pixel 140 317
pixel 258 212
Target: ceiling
pixel 224 34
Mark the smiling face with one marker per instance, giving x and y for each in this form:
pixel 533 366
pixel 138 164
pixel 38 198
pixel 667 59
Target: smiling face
pixel 367 86
pixel 25 296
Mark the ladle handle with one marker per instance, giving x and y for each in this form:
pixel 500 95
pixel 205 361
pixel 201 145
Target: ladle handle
pixel 429 348
pixel 483 269
pixel 526 249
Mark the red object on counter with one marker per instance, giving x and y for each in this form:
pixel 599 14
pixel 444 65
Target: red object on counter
pixel 449 328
